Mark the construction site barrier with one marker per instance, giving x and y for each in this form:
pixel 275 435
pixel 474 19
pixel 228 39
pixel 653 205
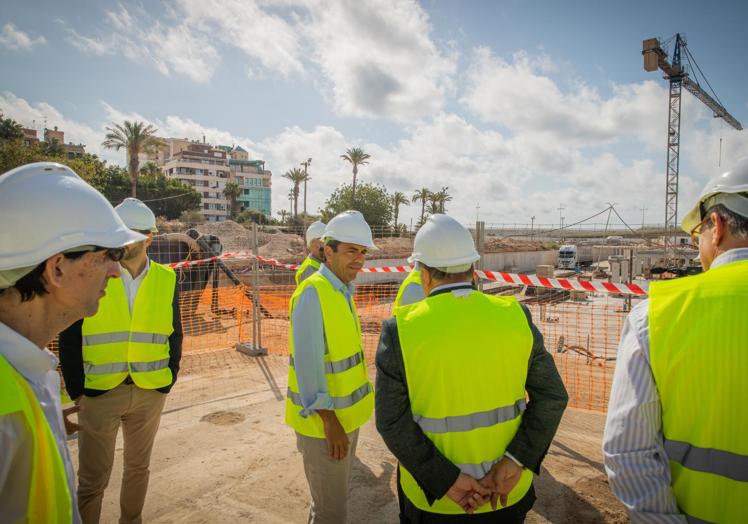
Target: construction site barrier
pixel 241 300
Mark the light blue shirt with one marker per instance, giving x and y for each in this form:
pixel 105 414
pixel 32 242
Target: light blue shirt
pixel 412 293
pixel 633 449
pixel 310 344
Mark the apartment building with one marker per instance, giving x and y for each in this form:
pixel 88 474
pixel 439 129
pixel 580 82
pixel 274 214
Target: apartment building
pixel 206 169
pixel 252 178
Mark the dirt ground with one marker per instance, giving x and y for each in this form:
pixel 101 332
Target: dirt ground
pixel 223 454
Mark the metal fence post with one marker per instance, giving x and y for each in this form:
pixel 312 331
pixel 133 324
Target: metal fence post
pixel 255 348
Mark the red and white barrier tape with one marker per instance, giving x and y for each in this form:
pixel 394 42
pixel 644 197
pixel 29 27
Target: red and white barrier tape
pixel 593 286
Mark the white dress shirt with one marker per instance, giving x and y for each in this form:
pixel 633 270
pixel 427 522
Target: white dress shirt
pixel 633 451
pixel 39 368
pixel 133 284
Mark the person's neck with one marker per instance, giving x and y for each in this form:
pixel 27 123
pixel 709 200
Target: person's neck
pixel 136 266
pixel 37 319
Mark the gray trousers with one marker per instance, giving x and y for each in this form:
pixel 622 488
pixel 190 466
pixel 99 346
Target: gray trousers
pixel 328 479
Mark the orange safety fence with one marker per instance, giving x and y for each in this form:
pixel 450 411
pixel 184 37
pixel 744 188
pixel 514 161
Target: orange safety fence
pixel 582 336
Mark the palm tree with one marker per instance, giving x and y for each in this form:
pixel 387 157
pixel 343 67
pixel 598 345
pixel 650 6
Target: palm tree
pixel 54 148
pixel 296 176
pixel 284 215
pixel 232 191
pixel 10 129
pixel 441 197
pixel 356 157
pixel 135 138
pixel 432 208
pixel 423 195
pixel 399 199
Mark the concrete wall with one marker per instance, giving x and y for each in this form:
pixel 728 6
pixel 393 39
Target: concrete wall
pixel 520 262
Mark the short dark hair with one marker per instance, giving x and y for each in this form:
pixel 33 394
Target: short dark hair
pixel 736 224
pixel 333 244
pixel 438 274
pixel 32 284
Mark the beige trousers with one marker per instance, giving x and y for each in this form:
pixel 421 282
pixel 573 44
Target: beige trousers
pixel 139 412
pixel 328 479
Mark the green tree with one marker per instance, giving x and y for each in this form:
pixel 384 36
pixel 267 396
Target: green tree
pixel 249 216
pixel 296 176
pixel 373 202
pixel 423 195
pixel 232 191
pixel 398 199
pixel 283 214
pixel 10 129
pixel 135 138
pixel 54 148
pixel 150 169
pixel 356 157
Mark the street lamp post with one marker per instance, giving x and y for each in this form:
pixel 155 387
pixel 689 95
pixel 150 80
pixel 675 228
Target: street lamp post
pixel 532 227
pixel 306 167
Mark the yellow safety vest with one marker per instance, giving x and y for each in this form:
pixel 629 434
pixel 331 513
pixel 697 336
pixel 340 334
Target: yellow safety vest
pixel 345 366
pixel 306 265
pixel 698 332
pixel 49 498
pixel 466 357
pixel 116 344
pixel 413 279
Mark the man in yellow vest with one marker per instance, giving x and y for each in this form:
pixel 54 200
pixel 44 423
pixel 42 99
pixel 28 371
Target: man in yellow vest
pixel 312 262
pixel 453 374
pixel 675 443
pixel 60 241
pixel 411 290
pixel 119 365
pixel 329 393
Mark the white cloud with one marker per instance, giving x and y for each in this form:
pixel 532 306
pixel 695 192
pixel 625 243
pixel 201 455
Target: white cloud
pixel 519 95
pixel 14 38
pixel 258 33
pixel 362 55
pixel 170 47
pixel 380 59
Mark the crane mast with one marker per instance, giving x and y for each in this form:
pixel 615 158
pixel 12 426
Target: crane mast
pixel 655 58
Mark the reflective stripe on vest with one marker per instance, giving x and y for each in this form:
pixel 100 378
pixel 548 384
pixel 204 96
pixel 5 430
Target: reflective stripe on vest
pixel 472 421
pixel 699 359
pixel 338 366
pixel 715 461
pixel 306 269
pixel 337 402
pixel 117 343
pixel 47 493
pixel 124 336
pixel 466 357
pixel 413 279
pixel 345 367
pixel 125 367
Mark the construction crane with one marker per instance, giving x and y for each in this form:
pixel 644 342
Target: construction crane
pixel 679 74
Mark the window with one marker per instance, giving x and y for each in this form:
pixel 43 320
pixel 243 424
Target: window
pixel 206 206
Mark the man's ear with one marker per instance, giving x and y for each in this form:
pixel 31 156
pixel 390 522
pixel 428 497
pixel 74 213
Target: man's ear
pixel 54 271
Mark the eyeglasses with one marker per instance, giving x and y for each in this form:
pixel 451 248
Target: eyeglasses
pixel 115 254
pixel 696 232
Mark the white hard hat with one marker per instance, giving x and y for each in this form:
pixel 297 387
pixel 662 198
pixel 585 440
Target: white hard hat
pixel 314 231
pixel 729 189
pixel 445 244
pixel 45 208
pixel 351 227
pixel 136 215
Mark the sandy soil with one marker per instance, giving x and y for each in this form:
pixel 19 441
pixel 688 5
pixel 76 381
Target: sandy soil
pixel 223 454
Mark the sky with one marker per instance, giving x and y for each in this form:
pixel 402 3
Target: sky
pixel 518 107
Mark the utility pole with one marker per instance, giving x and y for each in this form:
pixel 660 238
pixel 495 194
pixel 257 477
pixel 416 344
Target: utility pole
pixel 560 218
pixel 563 236
pixel 477 212
pixel 642 209
pixel 532 227
pixel 306 166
